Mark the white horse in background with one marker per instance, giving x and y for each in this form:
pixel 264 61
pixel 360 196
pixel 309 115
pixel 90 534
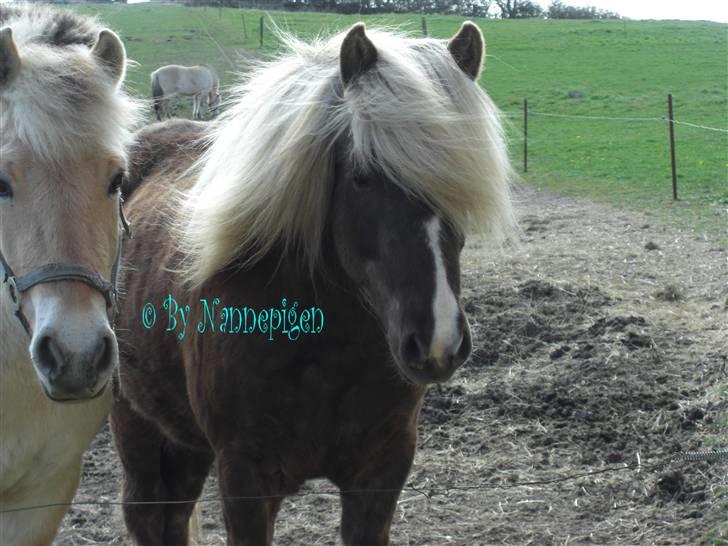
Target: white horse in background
pixel 64 127
pixel 197 82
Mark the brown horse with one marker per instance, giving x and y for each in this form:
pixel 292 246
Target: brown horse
pixel 302 264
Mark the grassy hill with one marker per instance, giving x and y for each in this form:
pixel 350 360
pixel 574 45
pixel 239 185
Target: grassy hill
pixel 593 68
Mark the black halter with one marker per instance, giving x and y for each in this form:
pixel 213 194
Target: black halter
pixel 59 272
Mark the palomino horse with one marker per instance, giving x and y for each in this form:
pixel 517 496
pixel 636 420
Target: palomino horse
pixel 285 315
pixel 198 82
pixel 64 127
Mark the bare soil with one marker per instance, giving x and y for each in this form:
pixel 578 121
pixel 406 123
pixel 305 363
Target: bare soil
pixel 600 343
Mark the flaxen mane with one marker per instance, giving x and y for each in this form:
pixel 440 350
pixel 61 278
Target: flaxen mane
pixel 267 175
pixel 64 101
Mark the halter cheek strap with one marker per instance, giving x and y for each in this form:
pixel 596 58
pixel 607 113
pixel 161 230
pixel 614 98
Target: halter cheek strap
pixel 60 272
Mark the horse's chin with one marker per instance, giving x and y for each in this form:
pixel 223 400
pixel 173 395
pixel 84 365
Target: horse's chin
pixel 423 377
pixel 75 399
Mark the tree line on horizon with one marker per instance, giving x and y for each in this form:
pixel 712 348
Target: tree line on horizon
pixel 504 9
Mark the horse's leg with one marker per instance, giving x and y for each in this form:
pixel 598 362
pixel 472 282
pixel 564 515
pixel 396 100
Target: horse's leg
pixel 369 498
pixel 184 472
pixel 249 515
pixel 199 106
pixel 195 107
pixel 39 527
pixel 139 443
pixel 156 470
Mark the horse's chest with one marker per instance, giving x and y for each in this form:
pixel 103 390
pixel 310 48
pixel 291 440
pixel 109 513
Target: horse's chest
pixel 39 438
pixel 314 415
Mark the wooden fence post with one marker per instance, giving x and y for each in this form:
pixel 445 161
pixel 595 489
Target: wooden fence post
pixel 424 27
pixel 525 135
pixel 672 147
pixel 261 32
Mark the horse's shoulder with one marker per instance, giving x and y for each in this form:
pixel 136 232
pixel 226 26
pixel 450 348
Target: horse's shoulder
pixel 171 144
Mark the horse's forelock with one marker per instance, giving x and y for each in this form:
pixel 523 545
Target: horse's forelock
pixel 435 132
pixel 63 103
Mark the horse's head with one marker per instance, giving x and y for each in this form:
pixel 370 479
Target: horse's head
pixel 63 131
pixel 397 237
pixel 405 258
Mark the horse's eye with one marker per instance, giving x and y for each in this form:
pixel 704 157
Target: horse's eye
pixel 6 190
pixel 116 182
pixel 362 183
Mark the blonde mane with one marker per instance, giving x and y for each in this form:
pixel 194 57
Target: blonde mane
pixel 267 175
pixel 63 103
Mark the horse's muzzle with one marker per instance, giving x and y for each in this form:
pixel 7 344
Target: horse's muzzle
pixel 74 371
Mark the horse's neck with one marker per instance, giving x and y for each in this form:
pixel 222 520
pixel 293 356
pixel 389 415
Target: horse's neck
pixel 13 339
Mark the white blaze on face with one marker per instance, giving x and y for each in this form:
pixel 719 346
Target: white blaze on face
pixel 444 304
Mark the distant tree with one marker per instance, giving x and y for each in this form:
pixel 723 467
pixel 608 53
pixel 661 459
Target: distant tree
pixel 518 9
pixel 559 10
pixel 471 8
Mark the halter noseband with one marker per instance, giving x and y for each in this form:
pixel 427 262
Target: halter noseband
pixel 59 272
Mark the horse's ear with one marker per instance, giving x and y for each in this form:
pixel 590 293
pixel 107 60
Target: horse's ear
pixel 468 49
pixel 110 51
pixel 357 55
pixel 9 57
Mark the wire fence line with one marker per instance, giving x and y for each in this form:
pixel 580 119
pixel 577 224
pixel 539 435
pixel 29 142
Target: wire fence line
pixel 428 492
pixel 616 118
pixel 669 120
pixel 697 126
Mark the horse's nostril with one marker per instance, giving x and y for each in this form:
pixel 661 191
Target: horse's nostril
pixel 103 354
pixel 464 348
pixel 412 350
pixel 50 357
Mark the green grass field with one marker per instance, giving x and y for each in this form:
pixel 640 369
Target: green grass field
pixel 596 68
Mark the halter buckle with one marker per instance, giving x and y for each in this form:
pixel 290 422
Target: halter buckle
pixel 13 289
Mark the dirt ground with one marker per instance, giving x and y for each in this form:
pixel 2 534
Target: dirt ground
pixel 601 342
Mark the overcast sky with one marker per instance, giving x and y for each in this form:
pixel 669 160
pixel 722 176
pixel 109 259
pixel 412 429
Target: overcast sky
pixel 712 10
